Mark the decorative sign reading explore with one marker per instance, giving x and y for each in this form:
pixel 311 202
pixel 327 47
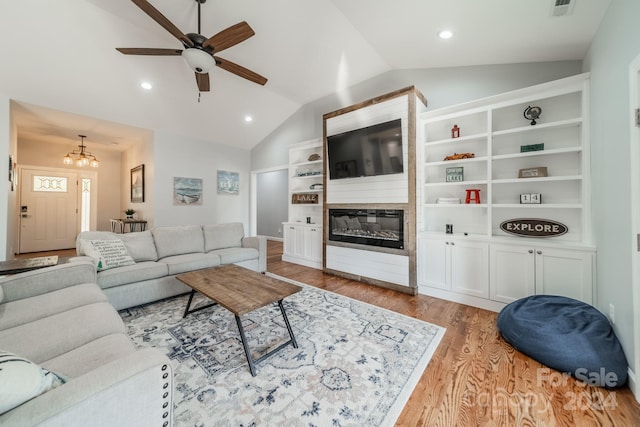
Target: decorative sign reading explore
pixel 533 227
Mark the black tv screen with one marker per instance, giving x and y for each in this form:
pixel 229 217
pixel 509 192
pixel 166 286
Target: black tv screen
pixel 374 150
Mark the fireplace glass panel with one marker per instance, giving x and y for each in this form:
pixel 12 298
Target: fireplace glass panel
pixel 372 227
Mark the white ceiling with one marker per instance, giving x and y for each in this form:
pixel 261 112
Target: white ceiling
pixel 61 55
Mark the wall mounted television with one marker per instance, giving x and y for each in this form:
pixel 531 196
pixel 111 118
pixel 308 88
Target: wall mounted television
pixel 370 151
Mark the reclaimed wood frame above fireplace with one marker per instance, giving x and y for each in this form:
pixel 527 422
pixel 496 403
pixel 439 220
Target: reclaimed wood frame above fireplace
pixel 398 191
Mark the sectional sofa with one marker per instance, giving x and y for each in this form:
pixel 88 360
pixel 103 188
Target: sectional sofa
pixel 158 255
pixel 59 326
pixel 65 359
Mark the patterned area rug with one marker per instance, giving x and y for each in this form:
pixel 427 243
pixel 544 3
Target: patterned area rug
pixel 356 364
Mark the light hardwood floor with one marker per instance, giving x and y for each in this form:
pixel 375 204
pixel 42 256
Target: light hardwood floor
pixel 475 378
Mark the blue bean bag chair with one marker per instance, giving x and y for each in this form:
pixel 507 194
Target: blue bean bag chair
pixel 567 335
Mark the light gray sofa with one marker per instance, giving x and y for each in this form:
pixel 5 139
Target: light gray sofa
pixel 59 319
pixel 163 252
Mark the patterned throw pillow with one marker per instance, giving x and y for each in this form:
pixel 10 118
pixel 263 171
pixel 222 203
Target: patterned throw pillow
pixel 22 380
pixel 107 253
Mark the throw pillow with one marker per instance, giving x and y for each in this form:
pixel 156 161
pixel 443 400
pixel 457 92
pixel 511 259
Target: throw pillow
pixel 22 380
pixel 107 253
pixel 140 245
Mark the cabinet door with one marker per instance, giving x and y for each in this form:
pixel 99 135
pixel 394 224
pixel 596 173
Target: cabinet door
pixel 433 263
pixel 313 243
pixel 512 272
pixel 469 268
pixel 289 236
pixel 565 272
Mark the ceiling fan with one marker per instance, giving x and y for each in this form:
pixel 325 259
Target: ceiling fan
pixel 198 50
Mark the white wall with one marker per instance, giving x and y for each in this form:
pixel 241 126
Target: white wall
pixel 441 86
pixel 180 156
pixel 140 154
pixel 615 45
pixel 7 200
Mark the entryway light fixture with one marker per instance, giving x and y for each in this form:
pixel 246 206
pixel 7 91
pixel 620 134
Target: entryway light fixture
pixel 82 157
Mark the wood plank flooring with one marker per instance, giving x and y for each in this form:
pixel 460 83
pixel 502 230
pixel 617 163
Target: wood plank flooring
pixel 475 378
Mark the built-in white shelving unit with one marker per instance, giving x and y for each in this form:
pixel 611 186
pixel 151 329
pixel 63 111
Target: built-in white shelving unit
pixel 496 132
pixel 303 231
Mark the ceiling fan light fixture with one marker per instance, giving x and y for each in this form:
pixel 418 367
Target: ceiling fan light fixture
pixel 198 60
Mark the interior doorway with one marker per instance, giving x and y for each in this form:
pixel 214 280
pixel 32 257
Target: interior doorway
pixel 269 201
pixel 53 206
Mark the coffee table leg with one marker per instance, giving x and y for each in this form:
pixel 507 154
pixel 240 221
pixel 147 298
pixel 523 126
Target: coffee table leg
pixel 186 310
pixel 247 352
pixel 286 321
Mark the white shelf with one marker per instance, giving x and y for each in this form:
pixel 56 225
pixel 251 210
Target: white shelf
pixel 552 152
pixel 317 175
pixel 308 163
pixel 456 205
pixel 530 128
pixel 457 162
pixel 541 179
pixel 459 139
pixel 457 183
pixel 538 206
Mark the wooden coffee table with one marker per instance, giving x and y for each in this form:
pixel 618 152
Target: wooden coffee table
pixel 240 291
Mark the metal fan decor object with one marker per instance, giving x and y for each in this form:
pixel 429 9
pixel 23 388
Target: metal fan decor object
pixel 532 113
pixel 199 52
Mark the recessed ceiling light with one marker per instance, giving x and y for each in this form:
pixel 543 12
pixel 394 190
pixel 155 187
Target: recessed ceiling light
pixel 445 34
pixel 248 119
pixel 146 85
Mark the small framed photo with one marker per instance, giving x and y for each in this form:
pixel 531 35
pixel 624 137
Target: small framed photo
pixel 532 172
pixel 137 184
pixel 455 174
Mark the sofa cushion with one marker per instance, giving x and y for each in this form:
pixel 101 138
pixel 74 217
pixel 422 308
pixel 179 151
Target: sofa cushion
pixel 52 336
pixel 178 240
pixel 107 253
pixel 183 263
pixel 231 255
pixel 91 355
pixel 137 272
pixel 40 306
pixel 222 236
pixel 140 245
pixel 22 380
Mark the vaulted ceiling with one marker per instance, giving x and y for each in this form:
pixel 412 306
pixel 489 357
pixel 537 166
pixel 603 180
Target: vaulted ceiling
pixel 60 65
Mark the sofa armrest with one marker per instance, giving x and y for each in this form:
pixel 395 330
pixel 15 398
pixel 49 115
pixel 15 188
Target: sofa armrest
pixel 260 244
pixel 44 280
pixel 136 390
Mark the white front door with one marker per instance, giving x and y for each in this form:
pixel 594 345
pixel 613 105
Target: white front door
pixel 48 210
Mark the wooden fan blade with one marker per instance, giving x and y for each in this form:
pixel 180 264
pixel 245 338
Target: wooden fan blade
pixel 203 82
pixel 240 71
pixel 229 37
pixel 148 51
pixel 163 21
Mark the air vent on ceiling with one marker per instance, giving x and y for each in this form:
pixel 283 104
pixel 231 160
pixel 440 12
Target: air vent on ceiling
pixel 562 7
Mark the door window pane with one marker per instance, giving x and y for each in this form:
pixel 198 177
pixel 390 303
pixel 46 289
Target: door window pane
pixel 50 184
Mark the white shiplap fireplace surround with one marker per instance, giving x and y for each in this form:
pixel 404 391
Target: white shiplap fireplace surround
pixel 386 267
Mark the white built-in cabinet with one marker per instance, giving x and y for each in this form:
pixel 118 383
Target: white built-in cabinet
pixel 302 239
pixel 494 130
pixel 455 265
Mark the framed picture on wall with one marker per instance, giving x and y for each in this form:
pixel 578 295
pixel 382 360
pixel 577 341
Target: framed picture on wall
pixel 137 184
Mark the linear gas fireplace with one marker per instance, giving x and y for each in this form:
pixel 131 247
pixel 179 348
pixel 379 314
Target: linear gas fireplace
pixel 372 227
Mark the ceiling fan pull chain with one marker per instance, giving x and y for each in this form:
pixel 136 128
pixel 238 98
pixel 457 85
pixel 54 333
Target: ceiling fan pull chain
pixel 199 93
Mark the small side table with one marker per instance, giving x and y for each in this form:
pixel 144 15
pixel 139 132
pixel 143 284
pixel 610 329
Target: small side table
pixel 119 225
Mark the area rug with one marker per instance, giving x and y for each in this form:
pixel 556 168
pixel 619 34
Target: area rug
pixel 356 364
